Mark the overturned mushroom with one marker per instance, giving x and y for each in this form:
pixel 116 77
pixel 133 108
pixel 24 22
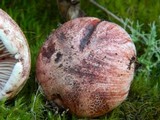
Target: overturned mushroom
pixel 87 66
pixel 14 57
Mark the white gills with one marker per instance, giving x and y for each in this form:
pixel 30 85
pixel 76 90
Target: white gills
pixel 14 57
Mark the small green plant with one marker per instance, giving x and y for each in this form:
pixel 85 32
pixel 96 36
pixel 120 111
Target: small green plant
pixel 148 51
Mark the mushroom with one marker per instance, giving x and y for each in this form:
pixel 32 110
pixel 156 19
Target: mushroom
pixel 14 57
pixel 87 66
pixel 70 9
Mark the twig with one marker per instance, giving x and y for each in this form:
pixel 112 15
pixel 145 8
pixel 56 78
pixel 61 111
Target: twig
pixel 116 17
pixel 107 11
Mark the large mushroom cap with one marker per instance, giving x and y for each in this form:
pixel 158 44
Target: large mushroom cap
pixel 14 57
pixel 87 65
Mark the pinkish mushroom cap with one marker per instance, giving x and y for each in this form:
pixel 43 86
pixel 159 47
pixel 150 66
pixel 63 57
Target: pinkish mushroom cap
pixel 87 66
pixel 14 57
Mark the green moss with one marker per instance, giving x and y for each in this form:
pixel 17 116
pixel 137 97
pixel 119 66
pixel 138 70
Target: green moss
pixel 38 18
